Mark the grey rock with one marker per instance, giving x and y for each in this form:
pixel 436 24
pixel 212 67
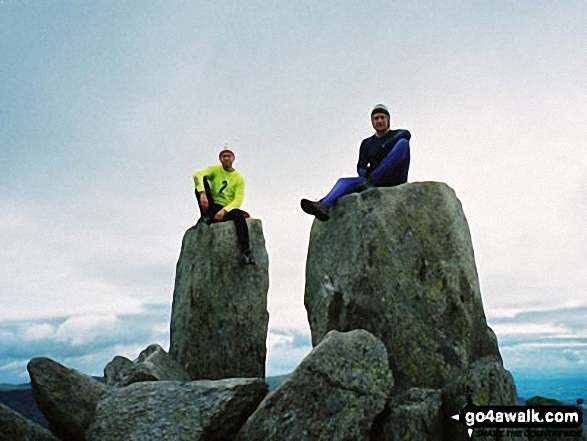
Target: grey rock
pixel 153 364
pixel 115 372
pixel 399 263
pixel 15 427
pixel 67 398
pixel 414 415
pixel 334 394
pixel 488 383
pixel 175 411
pixel 219 314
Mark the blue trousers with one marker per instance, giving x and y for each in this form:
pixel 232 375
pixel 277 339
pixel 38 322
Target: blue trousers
pixel 393 170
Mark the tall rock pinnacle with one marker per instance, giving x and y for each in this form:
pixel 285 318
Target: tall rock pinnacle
pixel 219 315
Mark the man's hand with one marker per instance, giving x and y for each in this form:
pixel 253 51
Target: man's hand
pixel 204 201
pixel 220 215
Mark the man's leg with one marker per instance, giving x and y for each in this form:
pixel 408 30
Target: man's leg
pixel 393 170
pixel 242 233
pixel 207 215
pixel 342 187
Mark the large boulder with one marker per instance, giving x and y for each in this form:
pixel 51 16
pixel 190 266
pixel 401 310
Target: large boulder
pixel 66 397
pixel 219 314
pixel 399 263
pixel 15 427
pixel 153 364
pixel 171 410
pixel 334 394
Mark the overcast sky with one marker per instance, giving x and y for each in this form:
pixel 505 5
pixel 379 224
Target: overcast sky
pixel 108 107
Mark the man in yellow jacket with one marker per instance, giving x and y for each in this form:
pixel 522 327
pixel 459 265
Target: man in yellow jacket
pixel 220 191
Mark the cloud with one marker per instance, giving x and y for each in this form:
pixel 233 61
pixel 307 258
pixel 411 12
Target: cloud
pixel 286 348
pixel 86 342
pixel 551 341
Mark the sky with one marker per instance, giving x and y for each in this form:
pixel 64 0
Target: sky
pixel 107 108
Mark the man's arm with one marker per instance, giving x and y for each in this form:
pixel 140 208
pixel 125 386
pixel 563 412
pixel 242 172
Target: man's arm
pixel 362 163
pixel 199 177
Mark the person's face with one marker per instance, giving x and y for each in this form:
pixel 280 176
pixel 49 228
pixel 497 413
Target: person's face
pixel 226 159
pixel 380 122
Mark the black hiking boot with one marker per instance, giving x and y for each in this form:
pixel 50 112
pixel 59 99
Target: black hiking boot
pixel 248 258
pixel 317 209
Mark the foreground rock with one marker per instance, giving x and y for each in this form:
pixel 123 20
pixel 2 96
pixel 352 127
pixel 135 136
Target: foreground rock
pixel 399 263
pixel 15 427
pixel 334 394
pixel 219 316
pixel 171 410
pixel 66 397
pixel 153 364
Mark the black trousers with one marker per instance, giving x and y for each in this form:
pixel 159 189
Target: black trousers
pixel 236 215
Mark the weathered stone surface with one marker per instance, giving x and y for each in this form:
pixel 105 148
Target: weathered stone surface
pixel 399 263
pixel 153 364
pixel 66 397
pixel 15 427
pixel 219 315
pixel 334 394
pixel 115 371
pixel 175 411
pixel 488 383
pixel 414 415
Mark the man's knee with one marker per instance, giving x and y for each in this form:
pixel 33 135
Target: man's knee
pixel 236 214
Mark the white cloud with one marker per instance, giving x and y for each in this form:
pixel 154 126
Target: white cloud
pixel 39 332
pixel 85 329
pixel 518 329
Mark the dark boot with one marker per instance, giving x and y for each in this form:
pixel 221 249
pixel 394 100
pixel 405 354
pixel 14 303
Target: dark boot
pixel 317 209
pixel 248 257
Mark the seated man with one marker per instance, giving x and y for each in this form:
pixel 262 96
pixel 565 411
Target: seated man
pixel 384 159
pixel 220 191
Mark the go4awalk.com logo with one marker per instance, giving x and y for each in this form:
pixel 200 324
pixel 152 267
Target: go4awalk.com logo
pixel 510 421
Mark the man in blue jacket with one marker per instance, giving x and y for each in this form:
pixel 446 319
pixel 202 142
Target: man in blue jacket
pixel 384 160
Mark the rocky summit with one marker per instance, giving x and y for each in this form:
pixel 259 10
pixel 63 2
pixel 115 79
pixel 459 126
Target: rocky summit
pixel 399 263
pixel 400 340
pixel 219 315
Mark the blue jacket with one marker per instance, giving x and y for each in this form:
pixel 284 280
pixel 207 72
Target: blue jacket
pixel 374 149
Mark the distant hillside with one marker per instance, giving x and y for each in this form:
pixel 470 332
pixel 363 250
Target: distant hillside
pixel 4 386
pixel 273 382
pixel 20 398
